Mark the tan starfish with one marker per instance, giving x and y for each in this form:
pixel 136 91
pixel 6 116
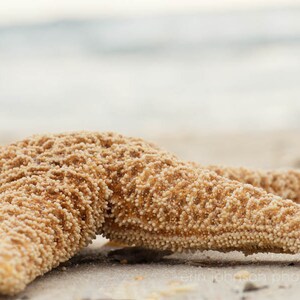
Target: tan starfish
pixel 58 191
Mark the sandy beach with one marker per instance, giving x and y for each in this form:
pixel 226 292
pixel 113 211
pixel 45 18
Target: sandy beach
pixel 216 82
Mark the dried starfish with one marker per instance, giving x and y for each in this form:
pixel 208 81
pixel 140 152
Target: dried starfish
pixel 58 191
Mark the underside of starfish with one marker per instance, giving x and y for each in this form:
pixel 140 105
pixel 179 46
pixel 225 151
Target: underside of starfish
pixel 58 191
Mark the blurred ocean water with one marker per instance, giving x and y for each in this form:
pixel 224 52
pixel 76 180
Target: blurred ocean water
pixel 237 70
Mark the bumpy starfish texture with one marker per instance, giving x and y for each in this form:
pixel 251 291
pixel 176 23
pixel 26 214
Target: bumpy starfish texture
pixel 58 191
pixel 284 183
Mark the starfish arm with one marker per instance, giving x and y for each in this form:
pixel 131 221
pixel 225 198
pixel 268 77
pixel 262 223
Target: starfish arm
pixel 53 197
pixel 163 203
pixel 284 183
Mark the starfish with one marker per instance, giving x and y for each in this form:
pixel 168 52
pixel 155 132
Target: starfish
pixel 58 191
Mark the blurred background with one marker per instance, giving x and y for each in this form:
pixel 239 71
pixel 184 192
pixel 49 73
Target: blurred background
pixel 213 81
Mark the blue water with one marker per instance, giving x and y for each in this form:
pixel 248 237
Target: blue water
pixel 237 70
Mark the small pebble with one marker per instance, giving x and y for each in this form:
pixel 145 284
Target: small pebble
pixel 251 287
pixel 243 274
pixel 138 278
